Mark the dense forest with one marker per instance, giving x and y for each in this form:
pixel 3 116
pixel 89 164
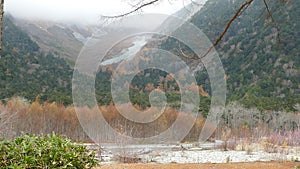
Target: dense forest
pixel 28 72
pixel 261 56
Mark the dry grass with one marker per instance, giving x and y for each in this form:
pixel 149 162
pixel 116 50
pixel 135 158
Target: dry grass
pixel 255 165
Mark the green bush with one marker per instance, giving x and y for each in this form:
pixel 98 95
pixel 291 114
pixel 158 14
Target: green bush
pixel 49 151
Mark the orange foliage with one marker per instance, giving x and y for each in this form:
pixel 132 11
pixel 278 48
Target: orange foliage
pixel 226 77
pixel 149 87
pixel 48 117
pixel 15 50
pixel 160 85
pixel 202 92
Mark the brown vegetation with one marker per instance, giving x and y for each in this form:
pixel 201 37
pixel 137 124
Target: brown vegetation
pixel 45 118
pixel 271 130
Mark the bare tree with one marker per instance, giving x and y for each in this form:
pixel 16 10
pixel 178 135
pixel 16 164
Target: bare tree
pixel 6 122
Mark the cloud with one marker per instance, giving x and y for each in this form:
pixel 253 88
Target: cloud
pixel 87 11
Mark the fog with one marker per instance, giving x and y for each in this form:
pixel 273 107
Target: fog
pixel 85 12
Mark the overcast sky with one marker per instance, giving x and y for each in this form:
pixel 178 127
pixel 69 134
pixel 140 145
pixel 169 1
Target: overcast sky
pixel 87 11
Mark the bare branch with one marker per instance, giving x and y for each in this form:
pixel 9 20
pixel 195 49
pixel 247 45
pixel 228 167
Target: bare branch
pixel 273 20
pixel 6 121
pixel 1 21
pixel 132 11
pixel 268 9
pixel 236 15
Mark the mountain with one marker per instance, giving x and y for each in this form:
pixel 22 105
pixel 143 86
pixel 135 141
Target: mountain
pixel 28 71
pixel 63 39
pixel 179 17
pixel 261 57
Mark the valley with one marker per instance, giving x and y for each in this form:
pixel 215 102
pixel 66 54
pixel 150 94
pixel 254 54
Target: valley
pixel 150 97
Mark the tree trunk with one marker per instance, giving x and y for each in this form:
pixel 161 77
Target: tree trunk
pixel 1 17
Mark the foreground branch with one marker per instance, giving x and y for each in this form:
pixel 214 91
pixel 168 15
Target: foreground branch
pixel 273 20
pixel 236 15
pixel 132 11
pixel 1 21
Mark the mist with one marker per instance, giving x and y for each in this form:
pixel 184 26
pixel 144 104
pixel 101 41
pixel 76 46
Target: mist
pixel 84 12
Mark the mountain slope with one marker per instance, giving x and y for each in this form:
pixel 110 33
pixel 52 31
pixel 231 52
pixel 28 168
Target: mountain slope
pixel 28 72
pixel 261 58
pixel 66 40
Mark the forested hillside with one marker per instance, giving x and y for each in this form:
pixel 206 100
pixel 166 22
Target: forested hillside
pixel 65 40
pixel 28 72
pixel 261 56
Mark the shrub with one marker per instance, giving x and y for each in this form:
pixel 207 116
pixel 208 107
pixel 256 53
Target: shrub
pixel 49 151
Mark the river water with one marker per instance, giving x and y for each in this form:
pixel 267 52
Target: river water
pixel 128 54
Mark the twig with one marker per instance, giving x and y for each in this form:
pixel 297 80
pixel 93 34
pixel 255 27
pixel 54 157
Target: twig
pixel 269 12
pixel 237 13
pixel 132 11
pixel 273 20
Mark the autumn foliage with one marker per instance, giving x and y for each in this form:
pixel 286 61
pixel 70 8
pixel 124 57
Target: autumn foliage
pixel 18 116
pixel 46 118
